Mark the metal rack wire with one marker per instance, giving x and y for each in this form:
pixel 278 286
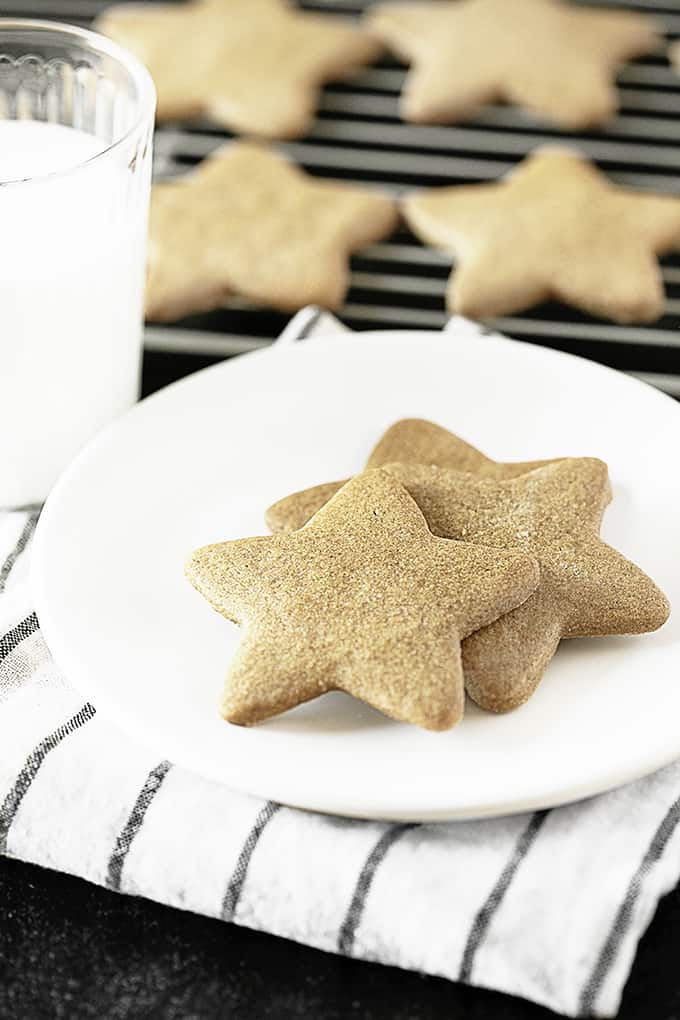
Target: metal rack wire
pixel 358 136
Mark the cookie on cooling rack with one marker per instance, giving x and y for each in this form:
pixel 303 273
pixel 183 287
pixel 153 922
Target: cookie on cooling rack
pixel 248 223
pixel 558 60
pixel 553 229
pixel 253 66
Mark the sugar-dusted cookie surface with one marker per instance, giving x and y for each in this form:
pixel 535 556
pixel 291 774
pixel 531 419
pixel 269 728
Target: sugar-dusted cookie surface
pixel 409 441
pixel 555 228
pixel 586 587
pixel 556 59
pixel 248 222
pixel 364 599
pixel 254 66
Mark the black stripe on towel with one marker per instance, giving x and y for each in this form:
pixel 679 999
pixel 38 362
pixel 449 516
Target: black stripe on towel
pixel 235 887
pixel 623 917
pixel 152 785
pixel 485 914
pixel 14 637
pixel 30 768
pixel 21 543
pixel 355 910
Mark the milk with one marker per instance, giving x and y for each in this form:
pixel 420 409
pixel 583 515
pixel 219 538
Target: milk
pixel 30 148
pixel 71 286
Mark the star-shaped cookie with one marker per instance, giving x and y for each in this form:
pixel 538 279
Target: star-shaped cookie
pixel 248 222
pixel 587 589
pixel 364 599
pixel 556 59
pixel 253 66
pixel 408 441
pixel 555 228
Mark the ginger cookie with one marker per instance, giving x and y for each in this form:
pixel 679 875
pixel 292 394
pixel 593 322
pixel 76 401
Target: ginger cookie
pixel 557 60
pixel 364 599
pixel 587 589
pixel 253 66
pixel 408 441
pixel 554 229
pixel 247 222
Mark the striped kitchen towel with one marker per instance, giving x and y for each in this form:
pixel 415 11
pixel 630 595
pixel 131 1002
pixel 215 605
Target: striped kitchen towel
pixel 549 905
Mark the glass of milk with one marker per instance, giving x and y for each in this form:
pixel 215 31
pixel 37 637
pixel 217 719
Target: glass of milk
pixel 76 122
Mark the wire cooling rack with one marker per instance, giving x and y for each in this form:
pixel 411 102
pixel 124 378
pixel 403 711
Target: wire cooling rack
pixel 358 136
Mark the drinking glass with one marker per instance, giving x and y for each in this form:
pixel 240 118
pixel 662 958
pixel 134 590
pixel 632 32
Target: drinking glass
pixel 76 123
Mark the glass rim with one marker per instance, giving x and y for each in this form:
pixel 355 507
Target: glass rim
pixel 141 77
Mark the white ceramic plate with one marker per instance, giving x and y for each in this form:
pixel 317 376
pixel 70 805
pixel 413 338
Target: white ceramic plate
pixel 201 460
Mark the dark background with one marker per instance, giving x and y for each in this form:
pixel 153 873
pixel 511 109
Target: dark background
pixel 72 950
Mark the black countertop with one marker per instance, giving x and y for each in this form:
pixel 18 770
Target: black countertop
pixel 72 950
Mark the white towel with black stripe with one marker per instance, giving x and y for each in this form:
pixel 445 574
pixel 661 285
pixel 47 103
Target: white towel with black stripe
pixel 549 906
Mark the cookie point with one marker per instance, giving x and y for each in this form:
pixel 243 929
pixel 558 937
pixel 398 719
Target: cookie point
pixel 443 719
pixel 657 610
pixel 234 711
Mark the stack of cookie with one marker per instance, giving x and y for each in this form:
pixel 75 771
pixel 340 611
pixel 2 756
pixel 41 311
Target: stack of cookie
pixel 434 572
pixel 248 224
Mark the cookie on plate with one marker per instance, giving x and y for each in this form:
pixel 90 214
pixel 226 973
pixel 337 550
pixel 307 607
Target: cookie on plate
pixel 253 66
pixel 556 59
pixel 249 223
pixel 553 229
pixel 586 588
pixel 409 441
pixel 364 599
